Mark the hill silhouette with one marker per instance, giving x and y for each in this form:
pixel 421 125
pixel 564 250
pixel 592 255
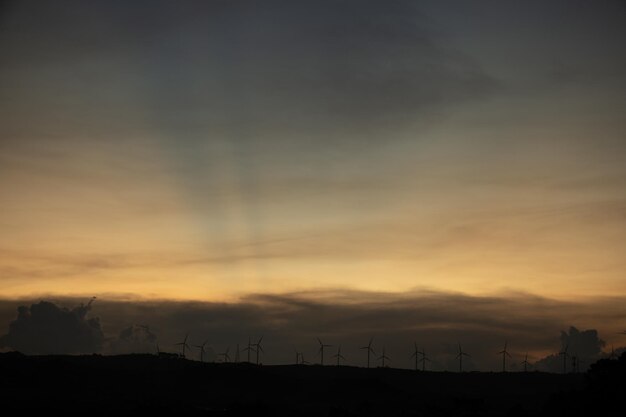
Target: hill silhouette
pixel 149 385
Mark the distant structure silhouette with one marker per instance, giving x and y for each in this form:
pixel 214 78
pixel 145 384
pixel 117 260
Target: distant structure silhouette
pixel 237 353
pixel 460 357
pixel 415 354
pixel 258 348
pixel 369 350
pixel 565 356
pixel 504 354
pixel 225 355
pixel 576 363
pixel 339 356
pixel 383 357
pixel 202 351
pixel 612 355
pixel 321 351
pixel 248 349
pixel 184 345
pixel 525 362
pixel 297 356
pixel 166 355
pixel 424 359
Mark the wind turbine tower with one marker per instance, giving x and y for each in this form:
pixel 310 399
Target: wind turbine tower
pixel 258 349
pixel 415 353
pixel 339 356
pixel 202 351
pixel 525 363
pixel 565 355
pixel 424 359
pixel 248 349
pixel 460 358
pixel 225 355
pixel 184 344
pixel 383 357
pixel 321 351
pixel 504 354
pixel 369 350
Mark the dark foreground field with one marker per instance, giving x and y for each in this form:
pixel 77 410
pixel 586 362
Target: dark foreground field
pixel 147 385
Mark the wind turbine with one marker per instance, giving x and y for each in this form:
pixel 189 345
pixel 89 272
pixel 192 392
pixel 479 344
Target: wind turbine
pixel 237 354
pixel 369 350
pixel 383 357
pixel 576 363
pixel 184 344
pixel 225 355
pixel 415 353
pixel 565 355
pixel 248 349
pixel 339 356
pixel 321 351
pixel 612 355
pixel 258 348
pixel 504 354
pixel 525 363
pixel 424 359
pixel 460 358
pixel 202 351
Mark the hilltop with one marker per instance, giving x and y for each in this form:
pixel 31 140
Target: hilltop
pixel 146 384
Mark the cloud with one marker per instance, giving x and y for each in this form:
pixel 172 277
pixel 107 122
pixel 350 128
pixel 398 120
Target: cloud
pixel 45 328
pixel 236 67
pixel 584 346
pixel 136 338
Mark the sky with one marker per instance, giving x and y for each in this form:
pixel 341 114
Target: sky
pixel 221 150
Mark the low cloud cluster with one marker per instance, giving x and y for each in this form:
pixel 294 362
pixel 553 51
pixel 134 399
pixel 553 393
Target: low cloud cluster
pixel 579 349
pixel 136 338
pixel 45 328
pixel 438 322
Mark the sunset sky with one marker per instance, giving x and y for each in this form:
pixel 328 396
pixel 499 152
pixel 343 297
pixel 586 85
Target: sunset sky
pixel 211 150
